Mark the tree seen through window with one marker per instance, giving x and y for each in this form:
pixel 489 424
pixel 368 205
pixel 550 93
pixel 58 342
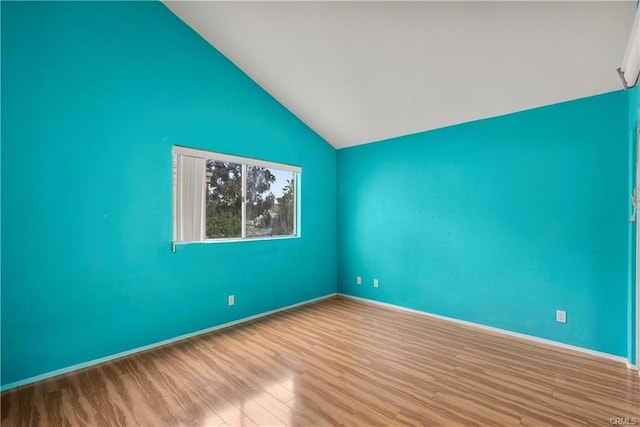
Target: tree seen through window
pixel 270 201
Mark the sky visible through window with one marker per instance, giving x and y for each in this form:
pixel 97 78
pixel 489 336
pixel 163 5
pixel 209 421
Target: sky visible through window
pixel 277 187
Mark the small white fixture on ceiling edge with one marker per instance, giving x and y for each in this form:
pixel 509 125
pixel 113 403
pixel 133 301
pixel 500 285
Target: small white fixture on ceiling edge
pixel 630 68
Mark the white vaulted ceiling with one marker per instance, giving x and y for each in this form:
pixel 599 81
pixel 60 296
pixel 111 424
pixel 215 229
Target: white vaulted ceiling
pixel 358 72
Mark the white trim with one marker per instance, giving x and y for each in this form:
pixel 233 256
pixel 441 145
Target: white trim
pixel 492 329
pixel 192 152
pixel 174 191
pixel 631 366
pixel 94 362
pixel 238 239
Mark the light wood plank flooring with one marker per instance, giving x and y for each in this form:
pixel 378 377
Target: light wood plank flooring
pixel 336 362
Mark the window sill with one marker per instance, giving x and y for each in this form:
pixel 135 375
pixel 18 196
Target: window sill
pixel 238 239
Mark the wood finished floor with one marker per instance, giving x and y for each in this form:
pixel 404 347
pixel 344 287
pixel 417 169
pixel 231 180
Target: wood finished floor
pixel 336 362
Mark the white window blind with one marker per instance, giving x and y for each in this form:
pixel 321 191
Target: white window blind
pixel 190 199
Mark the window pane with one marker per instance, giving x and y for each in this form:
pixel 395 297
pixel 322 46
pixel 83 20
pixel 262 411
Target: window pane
pixel 224 199
pixel 270 202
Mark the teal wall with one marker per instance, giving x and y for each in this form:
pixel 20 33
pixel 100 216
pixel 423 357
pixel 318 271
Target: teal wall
pixel 94 95
pixel 633 99
pixel 500 221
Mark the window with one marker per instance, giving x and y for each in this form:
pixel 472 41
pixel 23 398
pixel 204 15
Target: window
pixel 217 196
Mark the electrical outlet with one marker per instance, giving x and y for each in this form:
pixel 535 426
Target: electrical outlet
pixel 358 280
pixel 561 316
pixel 231 300
pixel 375 283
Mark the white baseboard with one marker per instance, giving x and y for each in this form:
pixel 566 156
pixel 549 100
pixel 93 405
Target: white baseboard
pixel 498 330
pixel 154 345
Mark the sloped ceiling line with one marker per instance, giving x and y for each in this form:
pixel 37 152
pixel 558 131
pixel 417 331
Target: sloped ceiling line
pixel 358 72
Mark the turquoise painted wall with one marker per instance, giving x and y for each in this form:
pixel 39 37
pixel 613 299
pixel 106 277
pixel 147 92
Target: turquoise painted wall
pixel 94 95
pixel 633 97
pixel 500 221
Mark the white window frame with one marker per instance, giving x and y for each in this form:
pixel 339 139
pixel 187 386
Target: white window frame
pixel 244 162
